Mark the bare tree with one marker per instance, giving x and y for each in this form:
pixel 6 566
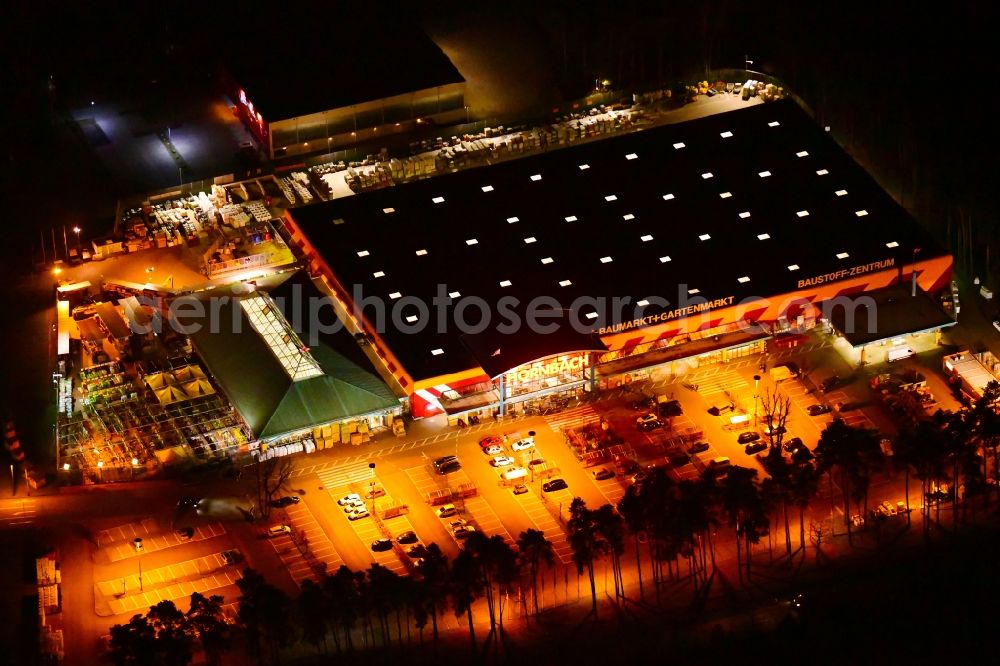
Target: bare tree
pixel 271 477
pixel 775 408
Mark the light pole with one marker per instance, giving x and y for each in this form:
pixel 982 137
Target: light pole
pixel 756 386
pixel 913 289
pixel 746 63
pixel 138 555
pixel 12 491
pixel 77 230
pixel 371 466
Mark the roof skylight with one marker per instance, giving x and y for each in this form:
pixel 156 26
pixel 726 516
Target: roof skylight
pixel 726 134
pixel 892 244
pixel 822 172
pixel 571 218
pixel 664 260
pixel 487 188
pixel 394 295
pixel 378 274
pixel 646 238
pixel 704 237
pixel 412 318
pixel 438 199
pixel 512 220
pixel 706 175
pixel 802 153
pixel 643 303
pixel 628 216
pixel 725 195
pixel 803 213
pixel 631 156
pixel 606 260
pixel 454 294
pixel 861 213
pixel 421 253
pixel 564 283
pixel 584 167
pixel 388 210
pixel 773 123
pixel 591 315
pixel 678 145
pixel 744 215
pixel 363 253
pixel 763 236
pixel 743 280
pixel 275 330
pixel 611 197
pixel 547 260
pixel 472 241
pixel 536 177
pixel 505 283
pixel 668 197
pixel 793 267
pixel 530 239
pixel 764 174
pixel 842 255
pixel 692 292
pixel 840 193
pixel 437 352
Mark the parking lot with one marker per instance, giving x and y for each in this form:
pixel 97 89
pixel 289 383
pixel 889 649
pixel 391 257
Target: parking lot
pixel 118 543
pixel 137 592
pixel 313 539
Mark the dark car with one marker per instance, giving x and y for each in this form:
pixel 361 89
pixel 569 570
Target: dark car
pixel 698 447
pixel 643 404
pixel 817 409
pixel 802 454
pixel 231 556
pixel 449 467
pixel 417 551
pixel 381 545
pixel 520 489
pixel 747 437
pixel 184 533
pixel 830 383
pixel 678 459
pixel 407 537
pixel 670 408
pixel 755 447
pixel 287 500
pixel 554 484
pixel 792 444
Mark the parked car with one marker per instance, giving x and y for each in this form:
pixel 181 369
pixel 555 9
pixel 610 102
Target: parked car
pixel 523 444
pixel 493 450
pixel 358 514
pixel 417 551
pixel 463 531
pixel 374 493
pixel 287 500
pixel 278 530
pixel 643 404
pixel 490 440
pixel 647 425
pixel 408 536
pixel 698 447
pixel 775 430
pixel 354 506
pixel 817 409
pixel 639 476
pixel 184 533
pixel 754 447
pixel 603 473
pixel 554 485
pixel 381 545
pixel 678 459
pixel 502 461
pixel 670 408
pixel 231 556
pixel 445 460
pixel 449 467
pixel 520 489
pixel 802 454
pixel 792 444
pixel 349 499
pixel 648 417
pixel 447 510
pixel 830 383
pixel 748 436
pixel 535 462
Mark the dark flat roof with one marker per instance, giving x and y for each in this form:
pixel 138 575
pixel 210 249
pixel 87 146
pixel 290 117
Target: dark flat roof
pixel 321 59
pixel 895 313
pixel 627 216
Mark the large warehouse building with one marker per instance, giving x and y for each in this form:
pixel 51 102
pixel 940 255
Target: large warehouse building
pixel 339 81
pixel 715 236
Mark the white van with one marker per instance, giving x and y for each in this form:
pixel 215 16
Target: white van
pixel 514 474
pixel 899 353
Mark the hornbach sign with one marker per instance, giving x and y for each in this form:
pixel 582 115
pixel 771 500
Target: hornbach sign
pixel 551 368
pixel 668 315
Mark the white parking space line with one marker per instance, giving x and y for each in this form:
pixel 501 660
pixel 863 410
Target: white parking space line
pixel 721 382
pixel 204 573
pixel 366 529
pixel 547 523
pixel 124 550
pixel 356 474
pixel 303 522
pixel 15 513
